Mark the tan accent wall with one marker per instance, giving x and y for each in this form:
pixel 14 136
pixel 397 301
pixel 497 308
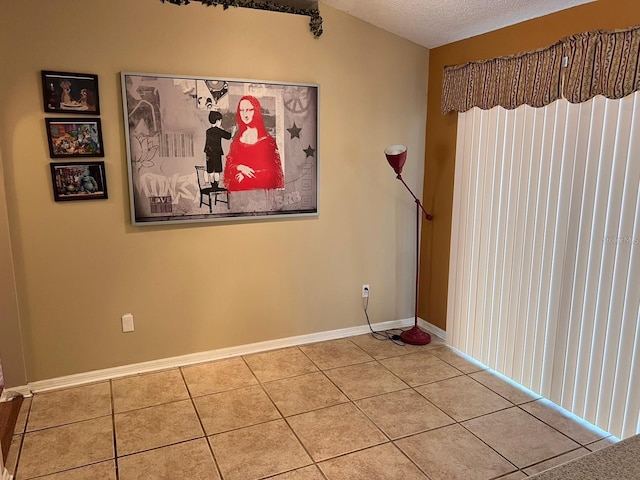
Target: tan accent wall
pixel 441 129
pixel 191 288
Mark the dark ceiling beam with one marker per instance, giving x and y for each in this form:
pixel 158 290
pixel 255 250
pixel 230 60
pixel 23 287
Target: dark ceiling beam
pixel 296 7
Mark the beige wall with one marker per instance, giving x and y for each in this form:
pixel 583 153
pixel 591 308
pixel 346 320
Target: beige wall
pixel 81 265
pixel 12 372
pixel 441 129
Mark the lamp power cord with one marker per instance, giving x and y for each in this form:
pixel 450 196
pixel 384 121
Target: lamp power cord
pixel 392 335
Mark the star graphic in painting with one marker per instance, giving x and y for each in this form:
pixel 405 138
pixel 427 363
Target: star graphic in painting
pixel 294 131
pixel 309 151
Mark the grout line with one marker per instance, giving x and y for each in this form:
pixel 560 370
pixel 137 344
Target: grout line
pixel 24 434
pixel 204 431
pixel 113 427
pixel 51 427
pixel 552 458
pixel 70 469
pixel 410 459
pixel 516 467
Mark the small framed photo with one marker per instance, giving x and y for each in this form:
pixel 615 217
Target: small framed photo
pixel 74 137
pixel 65 92
pixel 78 181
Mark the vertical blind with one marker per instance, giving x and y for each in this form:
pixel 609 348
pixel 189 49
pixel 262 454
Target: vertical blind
pixel 544 282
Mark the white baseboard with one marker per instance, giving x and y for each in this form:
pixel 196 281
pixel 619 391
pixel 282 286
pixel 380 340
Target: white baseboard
pixel 201 357
pixel 9 393
pixel 437 331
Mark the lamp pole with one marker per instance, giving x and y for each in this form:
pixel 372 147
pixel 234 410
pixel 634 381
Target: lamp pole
pixel 415 335
pixel 396 156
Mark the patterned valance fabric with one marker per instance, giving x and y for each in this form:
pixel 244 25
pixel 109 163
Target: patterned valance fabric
pixel 602 63
pixel 530 78
pixel 597 63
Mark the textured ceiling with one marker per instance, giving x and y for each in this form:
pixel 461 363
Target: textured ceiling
pixel 432 23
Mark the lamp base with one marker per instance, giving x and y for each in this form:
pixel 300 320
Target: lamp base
pixel 415 336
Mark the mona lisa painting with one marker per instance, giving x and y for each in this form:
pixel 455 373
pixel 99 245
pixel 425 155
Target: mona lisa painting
pixel 212 149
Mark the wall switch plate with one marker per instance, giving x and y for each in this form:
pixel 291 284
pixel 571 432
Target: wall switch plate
pixel 127 322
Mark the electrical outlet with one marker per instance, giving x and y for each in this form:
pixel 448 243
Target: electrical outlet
pixel 127 322
pixel 365 291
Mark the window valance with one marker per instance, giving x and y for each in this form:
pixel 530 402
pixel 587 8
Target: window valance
pixel 602 63
pixel 595 63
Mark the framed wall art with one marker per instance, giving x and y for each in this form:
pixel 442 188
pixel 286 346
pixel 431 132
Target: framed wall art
pixel 205 149
pixel 78 181
pixel 74 137
pixel 65 92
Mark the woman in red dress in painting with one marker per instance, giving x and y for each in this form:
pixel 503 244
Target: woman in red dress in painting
pixel 253 161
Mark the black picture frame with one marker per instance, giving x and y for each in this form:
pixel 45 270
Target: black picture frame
pixel 78 181
pixel 74 137
pixel 67 92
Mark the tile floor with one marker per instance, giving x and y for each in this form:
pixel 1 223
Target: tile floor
pixel 349 409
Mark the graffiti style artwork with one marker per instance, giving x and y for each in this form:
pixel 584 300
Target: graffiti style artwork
pixel 208 149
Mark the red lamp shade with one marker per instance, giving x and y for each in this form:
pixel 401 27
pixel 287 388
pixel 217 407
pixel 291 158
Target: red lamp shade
pixel 396 156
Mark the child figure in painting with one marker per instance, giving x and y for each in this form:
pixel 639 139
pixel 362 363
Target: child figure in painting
pixel 213 148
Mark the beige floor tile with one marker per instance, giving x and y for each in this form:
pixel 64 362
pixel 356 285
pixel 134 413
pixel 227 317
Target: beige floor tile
pixel 155 427
pixel 452 453
pixel 98 471
pixel 455 359
pixel 519 437
pixel 225 411
pixel 66 447
pixel 140 391
pixel 403 413
pixel 383 462
pixel 60 407
pixel 420 368
pixel 560 420
pixel 307 473
pixel 21 422
pixel 463 398
pixel 216 377
pixel 513 393
pixel 365 380
pixel 335 353
pixel 189 460
pixel 159 433
pixel 380 349
pixel 304 393
pixel 11 461
pixel 600 444
pixel 279 364
pixel 259 451
pixel 553 462
pixel 335 431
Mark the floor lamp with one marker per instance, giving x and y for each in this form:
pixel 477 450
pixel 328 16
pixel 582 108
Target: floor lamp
pixel 396 156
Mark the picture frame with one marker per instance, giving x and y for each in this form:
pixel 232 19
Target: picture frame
pixel 74 137
pixel 66 92
pixel 78 181
pixel 261 163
